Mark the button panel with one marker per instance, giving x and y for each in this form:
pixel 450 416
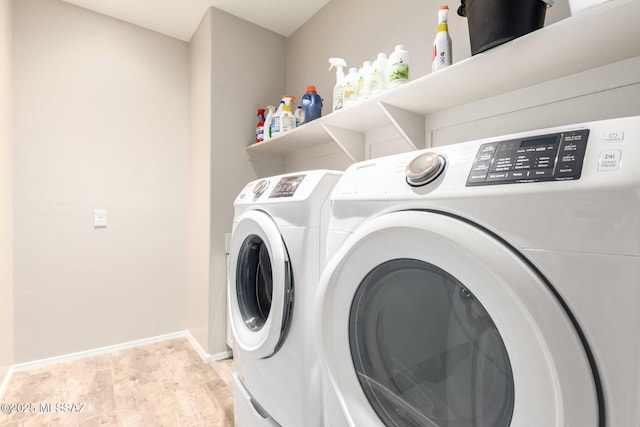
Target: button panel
pixel 552 157
pixel 287 186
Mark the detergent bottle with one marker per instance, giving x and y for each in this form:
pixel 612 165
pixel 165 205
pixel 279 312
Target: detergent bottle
pixel 364 80
pixel 311 105
pixel 350 88
pixel 338 89
pixel 379 74
pixel 276 121
pixel 398 67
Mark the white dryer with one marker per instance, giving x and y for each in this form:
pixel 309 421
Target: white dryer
pixel 489 283
pixel 275 260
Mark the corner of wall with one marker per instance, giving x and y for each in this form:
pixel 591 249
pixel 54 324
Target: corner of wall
pixel 6 194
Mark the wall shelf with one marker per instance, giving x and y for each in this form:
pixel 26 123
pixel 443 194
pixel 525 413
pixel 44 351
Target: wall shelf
pixel 596 37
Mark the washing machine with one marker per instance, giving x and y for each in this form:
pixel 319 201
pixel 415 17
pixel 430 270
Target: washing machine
pixel 487 283
pixel 276 255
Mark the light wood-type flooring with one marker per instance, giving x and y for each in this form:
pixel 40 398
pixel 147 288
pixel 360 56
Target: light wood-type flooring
pixel 160 384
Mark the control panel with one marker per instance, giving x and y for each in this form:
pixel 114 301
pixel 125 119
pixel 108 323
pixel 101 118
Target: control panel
pixel 287 186
pixel 551 157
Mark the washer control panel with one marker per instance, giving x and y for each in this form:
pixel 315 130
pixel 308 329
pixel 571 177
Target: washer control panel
pixel 551 157
pixel 287 186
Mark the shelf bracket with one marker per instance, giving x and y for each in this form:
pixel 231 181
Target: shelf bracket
pixel 411 126
pixel 351 142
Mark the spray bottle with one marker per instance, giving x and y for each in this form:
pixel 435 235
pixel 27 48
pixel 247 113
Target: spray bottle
pixel 442 43
pixel 338 89
pixel 267 122
pixel 260 126
pixel 288 120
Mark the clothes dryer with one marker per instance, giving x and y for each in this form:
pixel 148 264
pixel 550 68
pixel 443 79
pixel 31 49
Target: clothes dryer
pixel 488 283
pixel 276 255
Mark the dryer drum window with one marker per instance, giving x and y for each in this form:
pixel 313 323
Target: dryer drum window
pixel 254 282
pixel 425 350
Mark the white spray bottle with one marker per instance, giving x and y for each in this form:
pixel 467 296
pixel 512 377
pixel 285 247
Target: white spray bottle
pixel 442 43
pixel 267 122
pixel 338 89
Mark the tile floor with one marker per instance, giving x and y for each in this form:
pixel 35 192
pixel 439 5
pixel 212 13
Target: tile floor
pixel 160 384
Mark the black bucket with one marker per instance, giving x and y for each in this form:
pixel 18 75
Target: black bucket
pixel 493 22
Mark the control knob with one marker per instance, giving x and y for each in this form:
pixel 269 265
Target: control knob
pixel 424 169
pixel 260 188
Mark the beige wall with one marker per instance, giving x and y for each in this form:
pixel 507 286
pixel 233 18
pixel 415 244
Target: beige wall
pixel 6 161
pixel 246 74
pixel 199 200
pixel 236 68
pixel 100 122
pixel 356 31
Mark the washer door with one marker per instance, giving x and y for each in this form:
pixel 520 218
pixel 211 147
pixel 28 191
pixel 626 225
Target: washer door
pixel 427 320
pixel 260 285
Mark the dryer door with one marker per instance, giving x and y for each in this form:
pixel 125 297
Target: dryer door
pixel 427 320
pixel 260 284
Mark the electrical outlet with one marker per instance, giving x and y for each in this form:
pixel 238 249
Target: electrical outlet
pixel 100 218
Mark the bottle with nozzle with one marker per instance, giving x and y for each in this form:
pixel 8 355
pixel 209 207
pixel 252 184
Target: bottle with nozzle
pixel 338 89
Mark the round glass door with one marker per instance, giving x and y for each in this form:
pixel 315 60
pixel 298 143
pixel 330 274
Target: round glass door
pixel 260 287
pixel 254 282
pixel 428 320
pixel 425 350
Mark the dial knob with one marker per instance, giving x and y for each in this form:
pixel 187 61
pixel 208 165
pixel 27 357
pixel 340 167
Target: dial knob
pixel 424 169
pixel 260 188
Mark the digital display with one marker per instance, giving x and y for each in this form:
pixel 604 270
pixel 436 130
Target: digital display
pixel 547 140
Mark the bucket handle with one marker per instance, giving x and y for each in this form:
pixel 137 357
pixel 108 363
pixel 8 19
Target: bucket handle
pixel 462 11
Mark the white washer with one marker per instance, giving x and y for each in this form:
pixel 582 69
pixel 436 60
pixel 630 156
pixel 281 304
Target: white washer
pixel 276 256
pixel 489 283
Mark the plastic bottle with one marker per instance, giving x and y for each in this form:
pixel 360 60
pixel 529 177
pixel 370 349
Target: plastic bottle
pixel 338 89
pixel 364 81
pixel 288 120
pixel 267 122
pixel 350 88
pixel 379 74
pixel 260 126
pixel 398 67
pixel 298 115
pixel 442 43
pixel 311 105
pixel 276 121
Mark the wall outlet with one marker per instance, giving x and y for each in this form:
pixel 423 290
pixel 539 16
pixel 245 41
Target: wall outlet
pixel 100 218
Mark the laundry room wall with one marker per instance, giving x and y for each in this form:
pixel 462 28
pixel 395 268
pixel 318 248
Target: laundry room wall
pixel 356 31
pixel 6 191
pixel 100 122
pixel 236 68
pixel 606 92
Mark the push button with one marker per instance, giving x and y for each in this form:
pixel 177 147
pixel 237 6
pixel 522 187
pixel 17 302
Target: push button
pixel 609 160
pixel 615 136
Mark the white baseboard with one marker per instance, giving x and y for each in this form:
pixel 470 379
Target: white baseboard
pixel 97 351
pixel 203 354
pixel 206 356
pixel 221 356
pixel 5 382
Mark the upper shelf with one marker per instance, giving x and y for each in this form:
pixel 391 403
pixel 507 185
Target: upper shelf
pixel 599 36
